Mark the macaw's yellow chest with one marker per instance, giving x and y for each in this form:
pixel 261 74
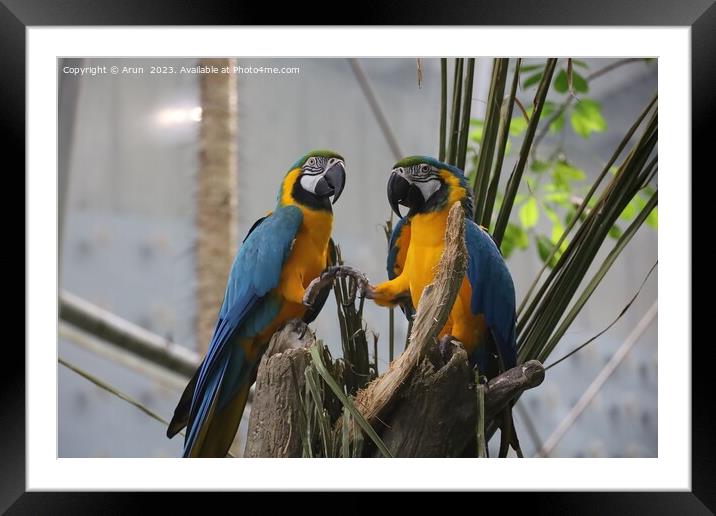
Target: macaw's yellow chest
pixel 306 260
pixel 427 242
pixel 309 253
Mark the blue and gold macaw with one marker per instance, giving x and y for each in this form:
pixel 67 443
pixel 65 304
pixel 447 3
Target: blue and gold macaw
pixel 483 316
pixel 282 253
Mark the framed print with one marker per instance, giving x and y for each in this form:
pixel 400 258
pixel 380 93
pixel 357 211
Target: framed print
pixel 436 246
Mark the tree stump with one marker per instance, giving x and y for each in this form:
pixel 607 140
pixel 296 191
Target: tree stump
pixel 276 408
pixel 425 405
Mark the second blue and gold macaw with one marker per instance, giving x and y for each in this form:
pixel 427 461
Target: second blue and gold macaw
pixel 484 311
pixel 281 255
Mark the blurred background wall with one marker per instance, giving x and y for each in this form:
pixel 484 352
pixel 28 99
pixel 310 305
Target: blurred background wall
pixel 129 234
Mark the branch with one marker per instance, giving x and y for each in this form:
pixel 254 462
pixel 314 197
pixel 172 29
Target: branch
pixel 436 303
pixel 502 389
pixel 126 335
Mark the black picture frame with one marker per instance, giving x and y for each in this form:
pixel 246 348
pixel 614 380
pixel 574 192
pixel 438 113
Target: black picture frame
pixel 17 15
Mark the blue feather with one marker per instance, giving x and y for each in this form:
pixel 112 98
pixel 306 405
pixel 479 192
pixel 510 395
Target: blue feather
pixel 248 307
pixel 397 239
pixel 493 293
pixel 393 247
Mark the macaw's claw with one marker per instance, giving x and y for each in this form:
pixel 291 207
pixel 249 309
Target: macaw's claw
pixel 445 347
pixel 326 278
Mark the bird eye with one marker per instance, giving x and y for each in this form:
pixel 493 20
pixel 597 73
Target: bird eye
pixel 424 169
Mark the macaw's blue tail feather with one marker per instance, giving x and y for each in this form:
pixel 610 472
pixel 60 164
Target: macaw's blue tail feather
pixel 215 439
pixel 212 427
pixel 181 412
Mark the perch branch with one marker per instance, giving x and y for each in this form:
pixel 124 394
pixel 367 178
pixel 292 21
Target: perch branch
pixel 503 388
pixel 406 405
pixel 431 316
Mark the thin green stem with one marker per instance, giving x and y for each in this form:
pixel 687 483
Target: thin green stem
pixel 443 107
pixel 503 134
pixel 466 109
pixel 455 121
pixel 516 176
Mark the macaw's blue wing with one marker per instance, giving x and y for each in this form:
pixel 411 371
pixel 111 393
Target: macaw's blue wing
pixel 493 294
pixel 397 252
pixel 248 307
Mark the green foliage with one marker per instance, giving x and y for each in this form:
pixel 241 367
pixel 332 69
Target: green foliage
pixel 515 238
pixel 580 215
pixel 561 82
pixel 553 184
pixel 529 214
pixel 587 118
pixel 532 80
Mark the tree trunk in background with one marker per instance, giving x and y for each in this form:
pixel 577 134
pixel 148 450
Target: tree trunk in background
pixel 216 217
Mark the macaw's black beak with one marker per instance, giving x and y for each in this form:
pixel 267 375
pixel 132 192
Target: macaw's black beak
pixel 397 191
pixel 400 191
pixel 332 182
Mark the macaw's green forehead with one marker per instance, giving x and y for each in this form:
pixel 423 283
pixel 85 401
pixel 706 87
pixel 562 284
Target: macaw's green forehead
pixel 318 153
pixel 411 161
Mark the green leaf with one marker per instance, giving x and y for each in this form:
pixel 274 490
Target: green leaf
pixel 560 82
pixel 630 210
pixel 522 240
pixel 476 135
pixel 518 125
pixel 579 83
pixel 552 215
pixel 569 214
pixel 529 213
pixel 557 232
pixel 544 249
pixel 532 79
pixel 567 172
pixel 587 118
pixel 564 174
pixel 529 68
pixel 561 198
pixel 539 166
pixel 653 218
pixel 515 238
pixel 615 232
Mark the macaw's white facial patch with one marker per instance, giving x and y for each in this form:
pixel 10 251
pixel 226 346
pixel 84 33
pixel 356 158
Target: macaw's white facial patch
pixel 309 181
pixel 428 188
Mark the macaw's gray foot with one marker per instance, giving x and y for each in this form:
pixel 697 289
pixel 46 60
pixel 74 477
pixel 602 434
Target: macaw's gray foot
pixel 326 278
pixel 446 345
